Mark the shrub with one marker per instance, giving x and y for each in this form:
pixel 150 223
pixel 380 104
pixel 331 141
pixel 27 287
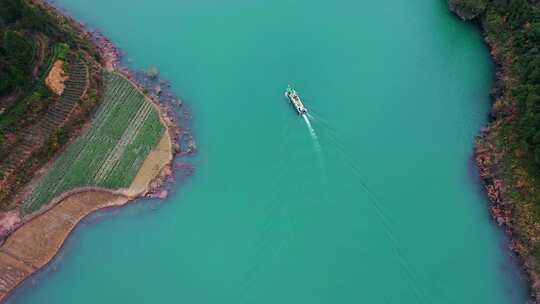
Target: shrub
pixel 16 54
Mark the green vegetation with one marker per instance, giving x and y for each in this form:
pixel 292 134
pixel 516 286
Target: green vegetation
pixel 21 113
pixel 512 29
pixel 16 116
pixel 19 19
pixel 10 11
pixel 16 53
pixel 40 127
pixel 124 131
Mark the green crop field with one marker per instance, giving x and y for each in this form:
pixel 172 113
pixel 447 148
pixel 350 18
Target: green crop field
pixel 124 130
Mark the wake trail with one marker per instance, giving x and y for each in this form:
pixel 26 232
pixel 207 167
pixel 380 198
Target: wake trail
pixel 318 149
pixel 377 206
pixel 313 134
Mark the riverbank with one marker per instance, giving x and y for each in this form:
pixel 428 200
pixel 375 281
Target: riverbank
pixel 502 152
pixel 33 239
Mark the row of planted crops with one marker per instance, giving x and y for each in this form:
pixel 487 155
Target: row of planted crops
pixel 125 129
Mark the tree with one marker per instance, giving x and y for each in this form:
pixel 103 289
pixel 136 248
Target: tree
pixel 534 76
pixel 10 11
pixel 533 102
pixel 18 49
pixel 534 33
pixel 16 52
pixel 519 13
pixel 537 154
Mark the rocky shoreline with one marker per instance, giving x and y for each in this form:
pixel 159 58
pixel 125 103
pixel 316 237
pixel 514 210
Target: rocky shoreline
pixel 489 157
pixel 490 154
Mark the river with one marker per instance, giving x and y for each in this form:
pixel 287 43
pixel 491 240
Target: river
pixel 379 203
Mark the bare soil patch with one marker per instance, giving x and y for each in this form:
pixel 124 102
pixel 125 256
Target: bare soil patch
pixel 57 77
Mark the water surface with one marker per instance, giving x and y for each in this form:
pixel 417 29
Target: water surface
pixel 384 208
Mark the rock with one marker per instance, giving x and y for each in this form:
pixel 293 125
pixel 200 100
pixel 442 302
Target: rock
pixel 166 171
pixel 152 72
pixel 162 194
pixel 192 145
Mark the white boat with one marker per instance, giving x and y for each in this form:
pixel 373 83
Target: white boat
pixel 295 100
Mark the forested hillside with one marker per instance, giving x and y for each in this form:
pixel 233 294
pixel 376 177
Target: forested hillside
pixel 513 29
pixel 508 150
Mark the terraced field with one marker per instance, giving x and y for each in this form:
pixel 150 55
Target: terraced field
pixel 123 132
pixel 54 118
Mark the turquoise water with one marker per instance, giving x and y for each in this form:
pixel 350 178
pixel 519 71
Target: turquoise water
pixel 382 206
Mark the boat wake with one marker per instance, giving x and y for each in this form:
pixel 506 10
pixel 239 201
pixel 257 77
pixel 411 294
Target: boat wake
pixel 374 200
pixel 313 134
pixel 318 150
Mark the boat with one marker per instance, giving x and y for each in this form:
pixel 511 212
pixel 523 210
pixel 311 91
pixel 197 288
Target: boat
pixel 295 100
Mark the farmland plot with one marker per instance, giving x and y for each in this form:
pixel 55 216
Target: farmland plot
pixel 124 130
